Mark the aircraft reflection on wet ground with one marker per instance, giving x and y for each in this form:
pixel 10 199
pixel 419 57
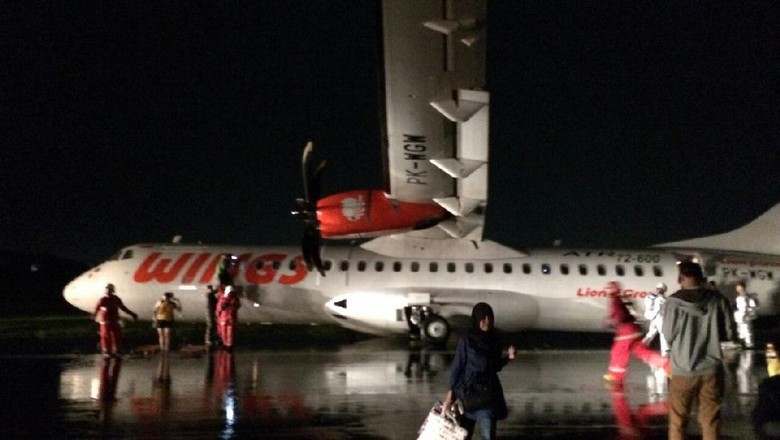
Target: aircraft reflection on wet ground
pixel 368 390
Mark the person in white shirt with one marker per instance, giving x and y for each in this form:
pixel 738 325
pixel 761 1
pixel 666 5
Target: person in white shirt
pixel 744 315
pixel 654 313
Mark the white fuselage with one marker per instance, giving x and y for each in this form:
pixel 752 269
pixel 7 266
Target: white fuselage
pixel 550 289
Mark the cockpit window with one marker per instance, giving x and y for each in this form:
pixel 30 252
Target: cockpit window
pixel 115 256
pixel 128 254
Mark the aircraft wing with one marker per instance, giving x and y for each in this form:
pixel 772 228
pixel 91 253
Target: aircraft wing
pixel 436 143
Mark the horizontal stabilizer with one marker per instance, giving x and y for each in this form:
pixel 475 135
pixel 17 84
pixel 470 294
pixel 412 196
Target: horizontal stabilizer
pixel 761 236
pixel 456 168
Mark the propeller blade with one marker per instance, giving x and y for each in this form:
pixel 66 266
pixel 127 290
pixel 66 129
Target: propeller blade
pixel 307 209
pixel 315 187
pixel 311 248
pixel 307 152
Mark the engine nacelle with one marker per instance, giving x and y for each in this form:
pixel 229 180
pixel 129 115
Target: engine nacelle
pixel 370 213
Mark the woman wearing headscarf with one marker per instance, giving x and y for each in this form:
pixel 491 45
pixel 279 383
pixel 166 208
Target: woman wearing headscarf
pixel 479 357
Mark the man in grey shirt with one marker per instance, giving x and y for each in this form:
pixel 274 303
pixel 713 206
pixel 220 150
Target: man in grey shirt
pixel 696 320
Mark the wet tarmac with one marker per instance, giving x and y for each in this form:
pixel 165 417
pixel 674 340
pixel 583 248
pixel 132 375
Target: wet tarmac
pixel 375 389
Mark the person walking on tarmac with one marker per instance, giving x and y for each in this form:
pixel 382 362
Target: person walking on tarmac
pixel 107 315
pixel 228 315
pixel 212 297
pixel 627 340
pixel 697 320
pixel 744 315
pixel 479 357
pixel 654 306
pixel 163 316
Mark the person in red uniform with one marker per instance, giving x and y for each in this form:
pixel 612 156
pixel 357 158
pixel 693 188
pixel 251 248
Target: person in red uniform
pixel 628 339
pixel 227 309
pixel 107 315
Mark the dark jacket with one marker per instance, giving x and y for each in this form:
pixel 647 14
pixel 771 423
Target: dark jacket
pixel 478 359
pixel 695 323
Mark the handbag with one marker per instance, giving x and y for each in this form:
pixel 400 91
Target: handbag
pixel 440 426
pixel 478 396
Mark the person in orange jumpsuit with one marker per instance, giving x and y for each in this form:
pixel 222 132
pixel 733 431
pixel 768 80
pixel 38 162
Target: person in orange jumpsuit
pixel 107 315
pixel 227 310
pixel 628 339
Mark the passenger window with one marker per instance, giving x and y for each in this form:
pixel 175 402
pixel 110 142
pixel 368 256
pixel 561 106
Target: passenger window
pixel 658 271
pixel 450 267
pixel 397 266
pixel 488 267
pixel 327 265
pixel 276 264
pixel 292 264
pixel 752 274
pixel 379 266
pixel 526 268
pixel 565 269
pixel 415 266
pixel 469 267
pixel 344 266
pixel 361 266
pixel 546 269
pixel 620 270
pixel 507 268
pixel 601 269
pixel 433 267
pixel 639 271
pixel 769 275
pixel 583 269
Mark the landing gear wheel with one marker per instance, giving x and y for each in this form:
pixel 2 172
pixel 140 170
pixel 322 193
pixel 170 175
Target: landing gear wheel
pixel 436 329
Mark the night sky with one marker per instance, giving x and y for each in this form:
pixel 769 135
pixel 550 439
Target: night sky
pixel 611 125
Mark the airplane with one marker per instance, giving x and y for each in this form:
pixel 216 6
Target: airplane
pixel 427 263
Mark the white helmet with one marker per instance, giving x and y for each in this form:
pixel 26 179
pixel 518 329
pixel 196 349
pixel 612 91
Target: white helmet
pixel 661 287
pixel 228 290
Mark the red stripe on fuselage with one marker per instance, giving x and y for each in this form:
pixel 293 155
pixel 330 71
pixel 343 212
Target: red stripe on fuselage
pixel 258 270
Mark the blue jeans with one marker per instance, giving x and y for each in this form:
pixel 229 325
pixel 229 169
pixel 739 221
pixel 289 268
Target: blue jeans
pixel 487 425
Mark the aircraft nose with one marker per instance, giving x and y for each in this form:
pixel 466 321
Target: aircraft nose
pixel 75 293
pixel 69 292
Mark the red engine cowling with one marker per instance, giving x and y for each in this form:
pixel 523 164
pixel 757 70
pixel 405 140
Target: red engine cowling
pixel 370 213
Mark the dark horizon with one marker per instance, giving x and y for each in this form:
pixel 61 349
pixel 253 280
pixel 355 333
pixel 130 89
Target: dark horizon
pixel 611 126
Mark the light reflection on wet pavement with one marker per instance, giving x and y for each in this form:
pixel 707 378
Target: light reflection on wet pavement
pixel 368 390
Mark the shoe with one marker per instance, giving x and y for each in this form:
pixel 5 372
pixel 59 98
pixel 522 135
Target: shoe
pixel 609 377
